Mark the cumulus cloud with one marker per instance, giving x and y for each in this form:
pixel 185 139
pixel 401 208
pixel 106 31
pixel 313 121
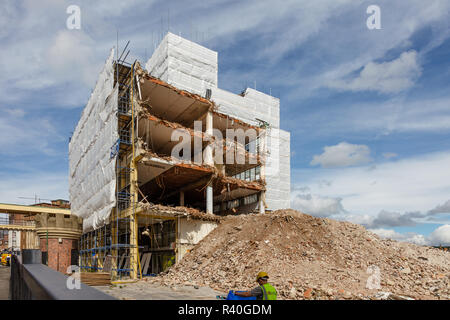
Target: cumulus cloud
pixel 386 77
pixel 440 236
pixel 443 208
pixel 342 155
pixel 410 184
pixel 316 205
pixel 407 237
pixel 408 219
pixel 393 219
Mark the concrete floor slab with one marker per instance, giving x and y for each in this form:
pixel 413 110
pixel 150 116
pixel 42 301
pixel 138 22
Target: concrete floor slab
pixel 4 282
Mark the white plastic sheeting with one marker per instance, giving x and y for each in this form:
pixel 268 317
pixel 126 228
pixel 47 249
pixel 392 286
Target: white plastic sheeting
pixel 253 105
pixel 184 64
pixel 278 175
pixel 92 173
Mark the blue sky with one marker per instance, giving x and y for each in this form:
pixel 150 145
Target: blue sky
pixel 368 110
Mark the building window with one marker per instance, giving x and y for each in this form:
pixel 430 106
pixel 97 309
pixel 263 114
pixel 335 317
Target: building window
pixel 250 199
pixel 250 174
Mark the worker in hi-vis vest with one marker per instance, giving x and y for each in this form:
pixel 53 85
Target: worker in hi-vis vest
pixel 265 291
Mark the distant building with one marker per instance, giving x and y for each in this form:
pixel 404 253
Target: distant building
pixel 19 230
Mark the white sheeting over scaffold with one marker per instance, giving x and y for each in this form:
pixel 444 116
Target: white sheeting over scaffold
pixel 92 171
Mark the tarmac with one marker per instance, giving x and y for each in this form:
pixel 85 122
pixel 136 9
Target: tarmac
pixel 4 282
pixel 143 290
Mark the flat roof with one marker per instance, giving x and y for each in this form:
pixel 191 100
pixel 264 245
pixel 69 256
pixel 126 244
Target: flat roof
pixel 19 208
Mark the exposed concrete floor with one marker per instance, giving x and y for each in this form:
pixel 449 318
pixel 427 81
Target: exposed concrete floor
pixel 4 282
pixel 143 290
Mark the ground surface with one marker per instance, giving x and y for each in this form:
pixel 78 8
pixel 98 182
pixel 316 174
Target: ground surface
pixel 143 290
pixel 311 258
pixel 4 282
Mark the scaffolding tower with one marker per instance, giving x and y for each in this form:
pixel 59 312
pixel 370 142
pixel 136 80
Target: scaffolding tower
pixel 113 247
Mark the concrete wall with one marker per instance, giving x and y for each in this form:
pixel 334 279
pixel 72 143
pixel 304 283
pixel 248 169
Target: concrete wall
pixel 191 232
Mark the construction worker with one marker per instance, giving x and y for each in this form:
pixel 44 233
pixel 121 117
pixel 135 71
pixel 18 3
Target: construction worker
pixel 171 261
pixel 265 291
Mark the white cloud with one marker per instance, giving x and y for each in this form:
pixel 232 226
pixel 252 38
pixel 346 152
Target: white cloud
pixel 389 155
pixel 386 77
pixel 7 13
pixel 321 26
pixel 393 219
pixel 45 185
pixel 71 56
pixel 342 155
pixel 396 115
pixel 442 208
pixel 407 237
pixel 411 184
pixel 440 236
pixel 24 135
pixel 316 205
pixel 346 55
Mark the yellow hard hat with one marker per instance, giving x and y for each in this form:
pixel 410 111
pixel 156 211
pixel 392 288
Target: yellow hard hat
pixel 262 274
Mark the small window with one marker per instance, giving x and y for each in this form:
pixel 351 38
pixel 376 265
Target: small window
pixel 252 174
pixel 257 173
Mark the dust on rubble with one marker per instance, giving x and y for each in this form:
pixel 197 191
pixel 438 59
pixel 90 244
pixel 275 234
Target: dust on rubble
pixel 312 258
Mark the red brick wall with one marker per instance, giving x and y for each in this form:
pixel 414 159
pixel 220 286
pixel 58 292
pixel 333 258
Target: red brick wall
pixel 20 218
pixel 59 254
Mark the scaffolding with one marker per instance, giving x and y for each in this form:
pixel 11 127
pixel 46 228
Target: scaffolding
pixel 113 247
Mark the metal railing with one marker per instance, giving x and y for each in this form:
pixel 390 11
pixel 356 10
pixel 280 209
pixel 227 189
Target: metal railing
pixel 16 222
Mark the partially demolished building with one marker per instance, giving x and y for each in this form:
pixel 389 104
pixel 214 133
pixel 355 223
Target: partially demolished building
pixel 160 153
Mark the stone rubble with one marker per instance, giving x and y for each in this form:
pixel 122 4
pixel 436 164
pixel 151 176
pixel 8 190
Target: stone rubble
pixel 311 258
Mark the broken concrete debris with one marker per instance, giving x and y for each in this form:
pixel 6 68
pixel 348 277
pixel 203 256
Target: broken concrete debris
pixel 311 258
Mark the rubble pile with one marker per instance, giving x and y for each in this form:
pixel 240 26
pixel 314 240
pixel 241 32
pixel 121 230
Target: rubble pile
pixel 312 258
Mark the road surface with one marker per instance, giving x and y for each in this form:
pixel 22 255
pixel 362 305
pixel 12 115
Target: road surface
pixel 4 282
pixel 143 290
